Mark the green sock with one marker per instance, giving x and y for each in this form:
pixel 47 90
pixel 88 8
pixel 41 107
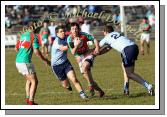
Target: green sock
pixel 27 96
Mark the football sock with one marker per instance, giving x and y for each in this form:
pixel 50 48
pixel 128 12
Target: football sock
pixel 81 92
pixel 145 84
pixel 126 86
pixel 27 96
pixel 83 95
pixel 27 99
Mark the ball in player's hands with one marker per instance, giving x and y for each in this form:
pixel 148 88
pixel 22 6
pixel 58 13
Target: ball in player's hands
pixel 90 43
pixel 78 42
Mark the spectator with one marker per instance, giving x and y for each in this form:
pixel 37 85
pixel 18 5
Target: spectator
pixel 85 27
pixel 7 22
pixel 52 28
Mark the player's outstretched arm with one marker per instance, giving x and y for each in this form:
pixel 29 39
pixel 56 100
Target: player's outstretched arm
pixel 39 54
pixel 96 43
pixel 104 49
pixel 17 46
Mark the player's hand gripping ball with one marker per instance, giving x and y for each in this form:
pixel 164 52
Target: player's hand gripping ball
pixel 78 42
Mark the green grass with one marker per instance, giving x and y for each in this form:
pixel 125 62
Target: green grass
pixel 106 71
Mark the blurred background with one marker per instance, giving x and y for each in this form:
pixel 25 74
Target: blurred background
pixel 19 16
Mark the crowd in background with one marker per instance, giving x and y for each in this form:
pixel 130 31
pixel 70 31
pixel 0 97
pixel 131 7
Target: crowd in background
pixel 21 15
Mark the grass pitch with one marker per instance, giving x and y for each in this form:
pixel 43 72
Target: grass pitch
pixel 106 71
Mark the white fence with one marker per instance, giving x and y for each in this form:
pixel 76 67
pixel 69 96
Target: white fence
pixel 10 40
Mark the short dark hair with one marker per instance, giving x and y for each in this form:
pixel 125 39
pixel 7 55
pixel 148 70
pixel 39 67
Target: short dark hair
pixel 59 27
pixel 34 29
pixel 145 18
pixel 75 24
pixel 108 28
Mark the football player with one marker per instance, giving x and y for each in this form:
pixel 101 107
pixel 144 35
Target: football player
pixel 77 42
pixel 129 53
pixel 25 46
pixel 61 66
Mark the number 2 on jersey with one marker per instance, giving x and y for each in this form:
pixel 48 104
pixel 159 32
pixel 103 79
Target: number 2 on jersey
pixel 115 36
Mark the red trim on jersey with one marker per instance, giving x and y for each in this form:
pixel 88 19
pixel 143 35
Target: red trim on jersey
pixel 17 44
pixel 147 28
pixel 84 46
pixel 31 38
pixel 39 39
pixel 26 44
pixel 45 32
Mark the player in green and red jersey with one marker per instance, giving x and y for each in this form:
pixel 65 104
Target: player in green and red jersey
pixel 145 27
pixel 77 42
pixel 45 35
pixel 25 46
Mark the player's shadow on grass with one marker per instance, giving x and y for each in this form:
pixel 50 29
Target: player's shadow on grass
pixel 107 97
pixel 119 96
pixel 135 95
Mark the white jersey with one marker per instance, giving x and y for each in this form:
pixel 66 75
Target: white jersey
pixel 116 41
pixel 52 31
pixel 85 28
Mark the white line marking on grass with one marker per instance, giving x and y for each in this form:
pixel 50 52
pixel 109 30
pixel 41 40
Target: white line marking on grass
pixel 54 92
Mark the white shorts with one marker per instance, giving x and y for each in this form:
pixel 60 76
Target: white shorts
pixel 145 37
pixel 25 68
pixel 82 59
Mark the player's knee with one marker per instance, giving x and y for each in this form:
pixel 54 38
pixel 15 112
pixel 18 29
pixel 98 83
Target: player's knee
pixel 85 71
pixel 130 74
pixel 33 78
pixel 75 81
pixel 64 85
pixel 35 81
pixel 86 68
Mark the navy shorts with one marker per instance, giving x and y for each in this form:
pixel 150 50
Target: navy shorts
pixel 129 55
pixel 90 61
pixel 52 39
pixel 61 70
